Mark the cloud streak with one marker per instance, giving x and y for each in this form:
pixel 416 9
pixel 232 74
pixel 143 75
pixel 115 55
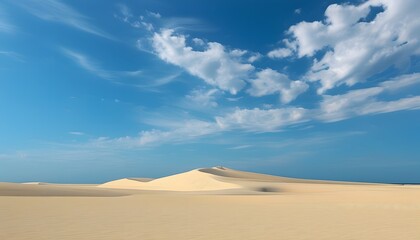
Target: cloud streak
pixel 5 25
pixel 93 67
pixel 13 55
pixel 57 11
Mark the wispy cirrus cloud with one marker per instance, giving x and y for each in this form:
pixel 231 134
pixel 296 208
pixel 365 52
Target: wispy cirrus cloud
pixel 58 11
pixel 240 147
pixel 125 15
pixel 13 55
pixel 366 101
pixel 148 81
pixel 93 67
pixel 5 25
pixel 77 133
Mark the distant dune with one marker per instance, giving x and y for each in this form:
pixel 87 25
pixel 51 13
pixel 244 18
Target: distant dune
pixel 210 203
pixel 214 179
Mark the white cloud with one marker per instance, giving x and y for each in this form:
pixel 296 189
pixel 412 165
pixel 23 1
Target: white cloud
pixel 234 99
pixel 339 107
pixel 154 14
pixel 376 107
pixel 125 13
pixel 190 129
pixel 91 66
pixel 401 82
pixel 222 68
pixel 126 16
pixel 5 25
pixel 269 82
pixel 238 52
pixel 14 55
pixel 77 133
pixel 254 57
pixel 359 103
pixel 198 41
pixel 86 63
pixel 160 81
pixel 57 11
pixel 260 120
pixel 255 120
pixel 183 132
pixel 365 101
pixel 214 65
pixel 357 49
pixel 185 24
pixel 332 108
pixel 203 97
pixel 240 147
pixel 280 53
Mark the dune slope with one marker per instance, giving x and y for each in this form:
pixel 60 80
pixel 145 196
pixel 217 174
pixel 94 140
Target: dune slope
pixel 215 179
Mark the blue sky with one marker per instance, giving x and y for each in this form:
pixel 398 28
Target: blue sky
pixel 97 90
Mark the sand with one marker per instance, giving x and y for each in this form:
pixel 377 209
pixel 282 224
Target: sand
pixel 213 203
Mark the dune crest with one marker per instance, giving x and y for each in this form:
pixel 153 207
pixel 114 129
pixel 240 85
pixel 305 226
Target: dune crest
pixel 195 180
pixel 210 179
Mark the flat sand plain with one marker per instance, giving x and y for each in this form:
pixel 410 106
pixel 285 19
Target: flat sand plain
pixel 211 203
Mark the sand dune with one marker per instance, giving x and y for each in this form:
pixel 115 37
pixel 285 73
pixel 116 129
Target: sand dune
pixel 195 180
pixel 210 203
pixel 214 179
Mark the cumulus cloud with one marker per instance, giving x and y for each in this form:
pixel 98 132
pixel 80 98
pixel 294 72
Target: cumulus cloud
pixel 224 69
pixel 354 48
pixel 215 65
pixel 280 53
pixel 269 81
pixel 254 57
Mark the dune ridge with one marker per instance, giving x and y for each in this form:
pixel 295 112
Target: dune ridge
pixel 214 179
pixel 195 180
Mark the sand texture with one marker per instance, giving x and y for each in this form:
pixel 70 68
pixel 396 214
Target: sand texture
pixel 211 203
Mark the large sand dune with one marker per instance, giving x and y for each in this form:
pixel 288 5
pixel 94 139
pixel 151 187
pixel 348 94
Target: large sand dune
pixel 210 203
pixel 215 179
